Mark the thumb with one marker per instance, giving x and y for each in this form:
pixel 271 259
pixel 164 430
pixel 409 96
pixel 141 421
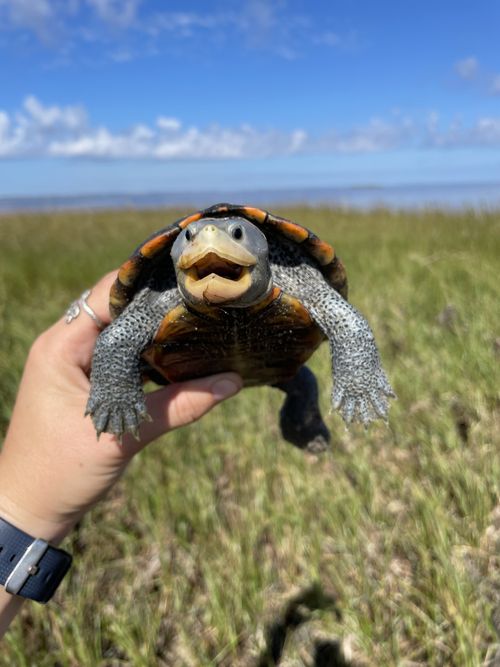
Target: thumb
pixel 185 402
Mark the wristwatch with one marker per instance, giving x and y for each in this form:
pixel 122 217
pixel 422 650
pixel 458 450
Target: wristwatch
pixel 29 566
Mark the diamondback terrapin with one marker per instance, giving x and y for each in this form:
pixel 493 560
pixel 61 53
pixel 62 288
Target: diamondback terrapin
pixel 235 288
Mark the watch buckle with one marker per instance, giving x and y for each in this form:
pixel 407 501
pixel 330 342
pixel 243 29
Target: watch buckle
pixel 27 566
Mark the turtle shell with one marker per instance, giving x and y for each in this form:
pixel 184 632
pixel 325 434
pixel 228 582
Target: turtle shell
pixel 131 273
pixel 275 337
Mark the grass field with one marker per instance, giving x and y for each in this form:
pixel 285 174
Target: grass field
pixel 225 546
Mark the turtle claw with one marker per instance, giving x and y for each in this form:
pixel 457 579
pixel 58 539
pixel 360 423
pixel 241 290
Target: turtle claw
pixel 337 397
pixel 349 410
pixel 361 403
pixel 132 427
pixel 380 405
pixel 100 417
pixel 117 417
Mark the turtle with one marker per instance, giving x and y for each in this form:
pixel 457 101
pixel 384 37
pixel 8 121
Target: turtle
pixel 236 288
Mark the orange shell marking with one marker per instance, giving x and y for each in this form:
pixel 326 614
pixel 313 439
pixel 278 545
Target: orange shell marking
pixel 255 213
pixel 171 322
pixel 320 250
pixel 151 248
pixel 115 299
pixel 192 218
pixel 293 232
pixel 128 272
pixel 323 253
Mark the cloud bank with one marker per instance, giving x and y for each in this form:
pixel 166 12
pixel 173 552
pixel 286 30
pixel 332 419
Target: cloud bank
pixel 471 71
pixel 38 130
pixel 129 29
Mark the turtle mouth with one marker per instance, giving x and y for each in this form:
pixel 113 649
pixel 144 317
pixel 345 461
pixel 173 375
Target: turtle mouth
pixel 216 280
pixel 216 268
pixel 212 263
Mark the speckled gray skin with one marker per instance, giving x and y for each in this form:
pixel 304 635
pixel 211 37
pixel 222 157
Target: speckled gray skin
pixel 361 388
pixel 116 402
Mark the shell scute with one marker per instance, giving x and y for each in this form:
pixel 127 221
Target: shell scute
pixel 275 338
pixel 191 218
pixel 117 297
pixel 154 246
pixel 292 231
pixel 256 214
pixel 322 251
pixel 128 271
pixel 335 274
pixel 158 245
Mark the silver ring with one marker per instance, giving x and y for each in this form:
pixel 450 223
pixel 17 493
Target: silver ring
pixel 76 308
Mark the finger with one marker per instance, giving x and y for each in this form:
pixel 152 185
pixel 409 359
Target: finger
pixel 77 338
pixel 98 300
pixel 185 402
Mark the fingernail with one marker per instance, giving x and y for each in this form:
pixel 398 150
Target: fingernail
pixel 224 388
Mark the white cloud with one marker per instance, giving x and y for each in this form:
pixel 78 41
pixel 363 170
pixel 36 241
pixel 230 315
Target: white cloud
pixel 483 80
pixel 377 135
pixel 120 30
pixel 43 16
pixel 72 118
pixel 30 130
pixel 183 24
pixel 35 15
pixel 467 68
pixel 122 13
pixel 168 124
pixel 38 130
pixel 53 131
pixel 495 85
pixel 190 143
pixel 485 132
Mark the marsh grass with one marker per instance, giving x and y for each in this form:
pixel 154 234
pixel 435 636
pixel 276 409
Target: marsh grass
pixel 225 546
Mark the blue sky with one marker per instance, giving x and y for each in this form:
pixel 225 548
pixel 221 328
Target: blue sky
pixel 137 96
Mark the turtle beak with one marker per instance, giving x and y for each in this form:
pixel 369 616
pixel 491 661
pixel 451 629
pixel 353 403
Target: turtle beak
pixel 216 266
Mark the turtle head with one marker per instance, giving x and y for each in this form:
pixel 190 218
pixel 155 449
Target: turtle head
pixel 222 261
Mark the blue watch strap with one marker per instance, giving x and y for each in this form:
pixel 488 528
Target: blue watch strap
pixel 30 567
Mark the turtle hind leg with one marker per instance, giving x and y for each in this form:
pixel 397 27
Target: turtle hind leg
pixel 300 418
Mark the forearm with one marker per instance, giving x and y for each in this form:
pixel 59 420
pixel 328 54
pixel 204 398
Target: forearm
pixel 37 526
pixel 361 388
pixel 10 606
pixel 116 401
pixel 52 467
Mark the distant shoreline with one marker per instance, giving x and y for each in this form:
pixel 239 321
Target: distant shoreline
pixel 412 196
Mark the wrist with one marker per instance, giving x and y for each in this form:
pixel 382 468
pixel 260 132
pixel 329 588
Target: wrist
pixel 30 567
pixel 34 523
pixel 31 493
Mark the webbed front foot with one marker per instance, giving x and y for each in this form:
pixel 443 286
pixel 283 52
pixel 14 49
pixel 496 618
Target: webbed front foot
pixel 116 401
pixel 117 414
pixel 361 389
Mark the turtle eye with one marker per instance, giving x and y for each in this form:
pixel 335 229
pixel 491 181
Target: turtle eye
pixel 188 236
pixel 237 233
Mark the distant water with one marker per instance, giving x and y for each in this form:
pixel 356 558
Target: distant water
pixel 448 196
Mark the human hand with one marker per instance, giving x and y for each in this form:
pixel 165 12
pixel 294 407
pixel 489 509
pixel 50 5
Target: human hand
pixel 52 467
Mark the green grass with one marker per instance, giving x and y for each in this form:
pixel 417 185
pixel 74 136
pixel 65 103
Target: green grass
pixel 222 535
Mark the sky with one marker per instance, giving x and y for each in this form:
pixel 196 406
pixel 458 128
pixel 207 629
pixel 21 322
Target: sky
pixel 117 96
